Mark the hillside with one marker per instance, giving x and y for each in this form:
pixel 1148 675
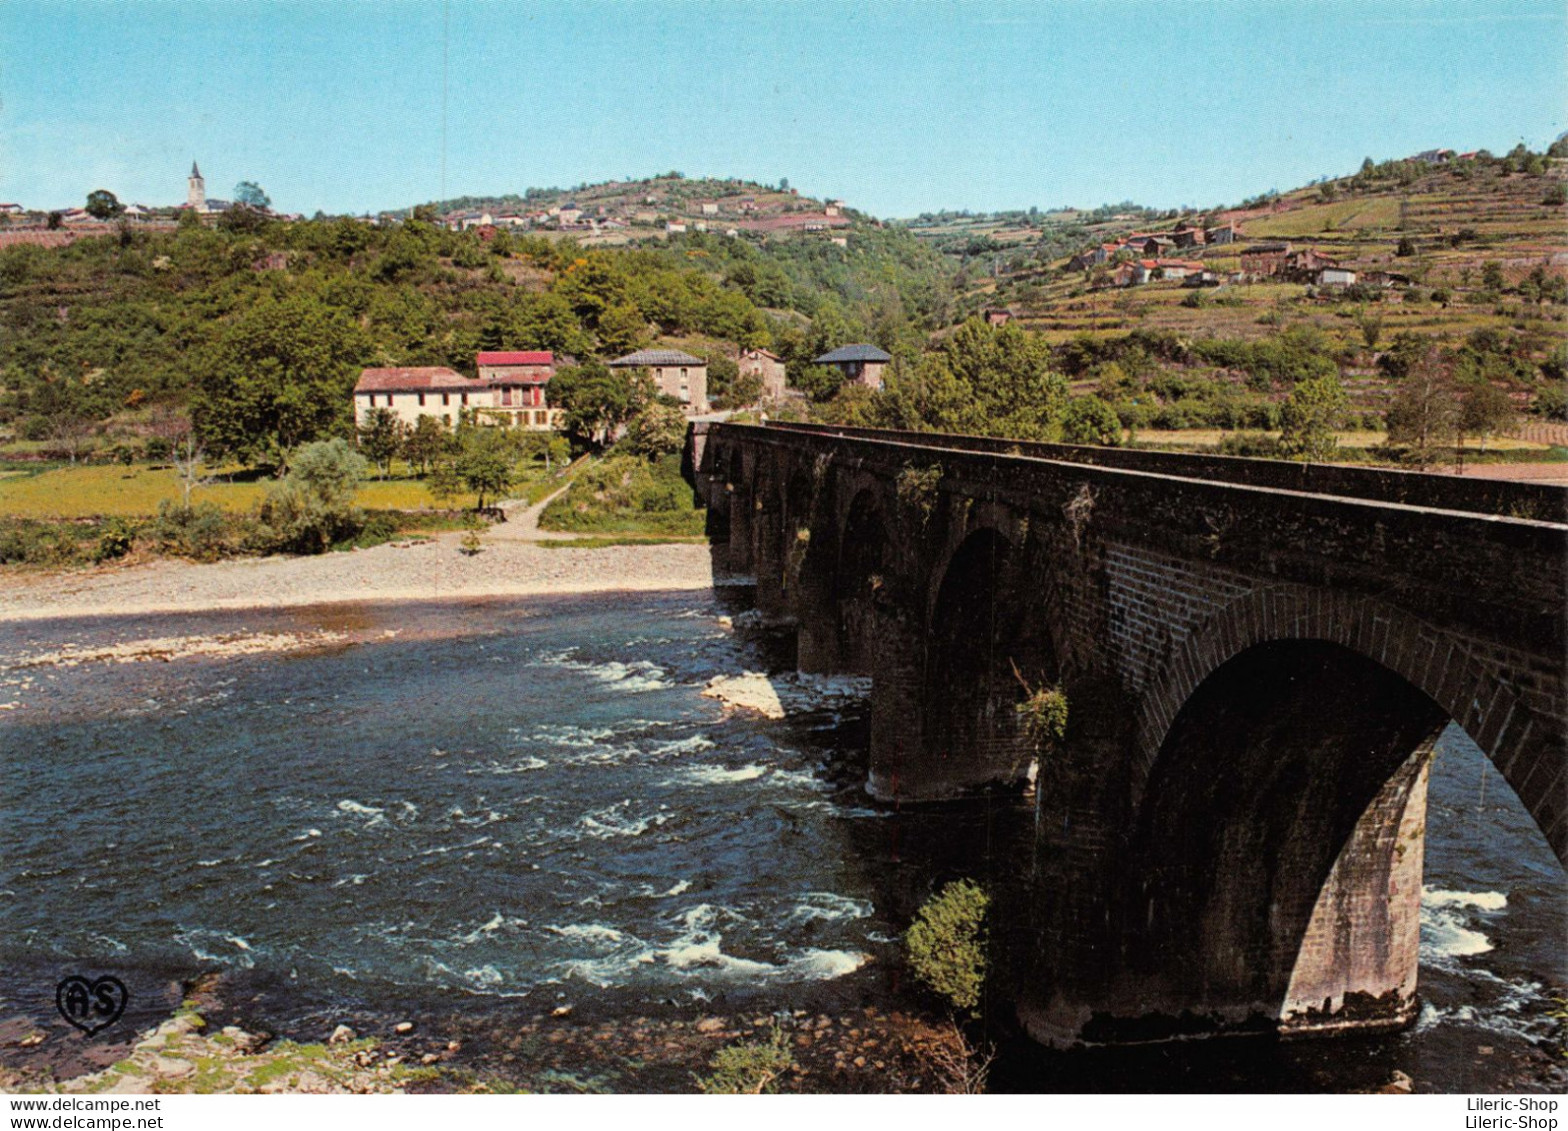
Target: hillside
pixel 127 325
pixel 619 212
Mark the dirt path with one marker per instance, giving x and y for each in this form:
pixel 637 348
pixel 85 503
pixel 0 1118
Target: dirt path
pixel 522 522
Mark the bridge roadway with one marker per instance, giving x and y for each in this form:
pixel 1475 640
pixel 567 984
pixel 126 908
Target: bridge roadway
pixel 1257 658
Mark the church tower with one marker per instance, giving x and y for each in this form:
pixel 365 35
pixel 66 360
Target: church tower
pixel 196 194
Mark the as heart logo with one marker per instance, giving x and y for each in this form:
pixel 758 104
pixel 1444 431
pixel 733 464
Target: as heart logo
pixel 91 1006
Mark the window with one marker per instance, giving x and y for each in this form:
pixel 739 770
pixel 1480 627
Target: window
pixel 465 397
pixel 421 400
pixel 541 417
pixel 446 398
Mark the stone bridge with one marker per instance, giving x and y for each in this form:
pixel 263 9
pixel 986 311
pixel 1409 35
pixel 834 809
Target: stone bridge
pixel 1257 657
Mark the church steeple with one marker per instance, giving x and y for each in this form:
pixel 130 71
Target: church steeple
pixel 196 190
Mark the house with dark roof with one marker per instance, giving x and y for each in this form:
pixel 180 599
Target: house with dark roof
pixel 861 363
pixel 677 374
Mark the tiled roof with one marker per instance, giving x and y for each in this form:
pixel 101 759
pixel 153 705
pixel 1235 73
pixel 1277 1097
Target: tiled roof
pixel 414 378
pixel 657 357
pixel 857 352
pixel 515 357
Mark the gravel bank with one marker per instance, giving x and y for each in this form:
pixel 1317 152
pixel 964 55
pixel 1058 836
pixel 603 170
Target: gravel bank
pixel 399 571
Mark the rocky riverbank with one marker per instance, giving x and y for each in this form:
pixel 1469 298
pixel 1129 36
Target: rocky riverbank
pixel 864 1050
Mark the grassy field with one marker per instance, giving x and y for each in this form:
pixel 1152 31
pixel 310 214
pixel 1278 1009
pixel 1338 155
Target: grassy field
pixel 87 491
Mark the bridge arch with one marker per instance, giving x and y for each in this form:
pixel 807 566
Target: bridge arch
pixel 861 575
pixel 1470 688
pixel 1274 877
pixel 984 641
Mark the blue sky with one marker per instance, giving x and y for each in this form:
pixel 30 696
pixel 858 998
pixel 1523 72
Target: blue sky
pixel 899 107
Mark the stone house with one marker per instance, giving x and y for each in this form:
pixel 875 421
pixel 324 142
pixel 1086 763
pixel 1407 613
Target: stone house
pixel 1264 259
pixel 861 363
pixel 768 368
pixel 677 374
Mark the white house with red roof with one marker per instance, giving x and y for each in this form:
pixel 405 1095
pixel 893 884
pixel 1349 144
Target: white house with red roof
pixel 509 392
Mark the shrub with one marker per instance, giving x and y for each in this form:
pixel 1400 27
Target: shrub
pixel 36 543
pixel 750 1069
pixel 946 944
pixel 314 505
pixel 1256 445
pixel 1089 420
pixel 202 531
pixel 116 540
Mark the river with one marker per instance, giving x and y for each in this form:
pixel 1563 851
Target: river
pixel 494 808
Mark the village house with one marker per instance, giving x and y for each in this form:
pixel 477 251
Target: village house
pixel 415 391
pixel 1225 233
pixel 1154 245
pixel 710 209
pixel 1335 277
pixel 677 374
pixel 998 316
pixel 768 368
pixel 861 363
pixel 1186 235
pixel 674 227
pixel 510 392
pixel 12 210
pixel 1264 259
pixel 517 380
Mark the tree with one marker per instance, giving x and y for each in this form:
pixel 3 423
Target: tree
pixel 1424 413
pixel 1405 248
pixel 280 375
pixel 622 330
pixel 103 205
pixel 658 430
pixel 313 506
pixel 381 437
pixel 1484 410
pixel 250 194
pixel 1089 420
pixel 598 401
pixel 1492 279
pixel 484 463
pixel 424 443
pixel 1309 418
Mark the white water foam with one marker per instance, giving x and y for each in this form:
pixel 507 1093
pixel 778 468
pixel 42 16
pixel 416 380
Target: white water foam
pixel 354 808
pixel 718 775
pixel 696 952
pixel 1480 900
pixel 217 946
pixel 614 821
pixel 522 766
pixel 638 675
pixel 829 907
pixel 1448 931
